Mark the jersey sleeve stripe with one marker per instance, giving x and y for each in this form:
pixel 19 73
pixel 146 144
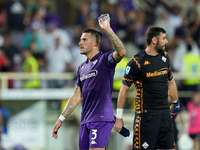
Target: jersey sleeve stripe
pixel 137 63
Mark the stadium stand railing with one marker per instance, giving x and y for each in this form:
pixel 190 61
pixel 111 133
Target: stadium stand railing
pixel 46 93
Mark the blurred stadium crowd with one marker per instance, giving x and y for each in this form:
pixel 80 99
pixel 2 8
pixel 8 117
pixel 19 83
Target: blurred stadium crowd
pixel 35 28
pixel 32 33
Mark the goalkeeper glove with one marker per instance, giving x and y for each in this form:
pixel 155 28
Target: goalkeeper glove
pixel 124 132
pixel 174 109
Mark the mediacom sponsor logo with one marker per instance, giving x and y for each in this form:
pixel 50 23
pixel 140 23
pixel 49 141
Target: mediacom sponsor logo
pixel 156 73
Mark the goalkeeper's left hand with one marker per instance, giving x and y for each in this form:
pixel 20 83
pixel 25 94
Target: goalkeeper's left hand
pixel 174 109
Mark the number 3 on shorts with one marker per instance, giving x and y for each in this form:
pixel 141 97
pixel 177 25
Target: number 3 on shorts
pixel 94 132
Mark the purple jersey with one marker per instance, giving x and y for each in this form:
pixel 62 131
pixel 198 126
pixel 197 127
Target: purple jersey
pixel 95 78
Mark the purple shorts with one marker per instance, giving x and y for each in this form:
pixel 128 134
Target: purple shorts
pixel 94 134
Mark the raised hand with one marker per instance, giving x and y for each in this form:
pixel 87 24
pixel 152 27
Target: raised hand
pixel 104 21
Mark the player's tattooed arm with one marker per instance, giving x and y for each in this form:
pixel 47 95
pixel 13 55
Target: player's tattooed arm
pixel 104 22
pixel 72 102
pixel 118 45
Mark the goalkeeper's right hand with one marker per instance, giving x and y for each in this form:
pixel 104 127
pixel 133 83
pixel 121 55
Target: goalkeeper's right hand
pixel 174 109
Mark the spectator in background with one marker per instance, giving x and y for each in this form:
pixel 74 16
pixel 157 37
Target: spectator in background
pixel 128 5
pixel 36 7
pixel 191 64
pixel 121 18
pixel 175 16
pixel 77 59
pixel 33 35
pixel 183 46
pixel 14 11
pixel 131 16
pixel 150 12
pixel 10 51
pixel 14 14
pixel 53 31
pixel 187 60
pixel 164 22
pixel 38 18
pixel 196 4
pixel 30 65
pixel 75 49
pixel 58 61
pixel 33 47
pixel 40 56
pixel 174 10
pixel 52 16
pixel 181 31
pixel 131 48
pixel 4 115
pixel 1 40
pixel 4 62
pixel 2 20
pixel 94 8
pixel 111 10
pixel 139 29
pixel 194 120
pixel 90 23
pixel 195 28
pixel 83 14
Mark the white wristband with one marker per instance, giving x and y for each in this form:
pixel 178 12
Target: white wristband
pixel 119 113
pixel 175 101
pixel 62 118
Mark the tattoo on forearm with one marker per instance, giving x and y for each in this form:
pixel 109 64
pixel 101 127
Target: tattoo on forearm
pixel 69 109
pixel 72 102
pixel 115 41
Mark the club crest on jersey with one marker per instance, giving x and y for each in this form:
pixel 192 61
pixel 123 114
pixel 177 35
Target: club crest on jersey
pixel 127 69
pixel 145 145
pixel 164 58
pixel 94 62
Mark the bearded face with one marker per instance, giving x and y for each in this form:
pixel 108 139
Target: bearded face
pixel 161 43
pixel 160 47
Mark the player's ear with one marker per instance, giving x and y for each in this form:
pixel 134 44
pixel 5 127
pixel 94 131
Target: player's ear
pixel 154 40
pixel 96 43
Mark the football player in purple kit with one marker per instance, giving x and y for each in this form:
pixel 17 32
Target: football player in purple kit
pixel 94 88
